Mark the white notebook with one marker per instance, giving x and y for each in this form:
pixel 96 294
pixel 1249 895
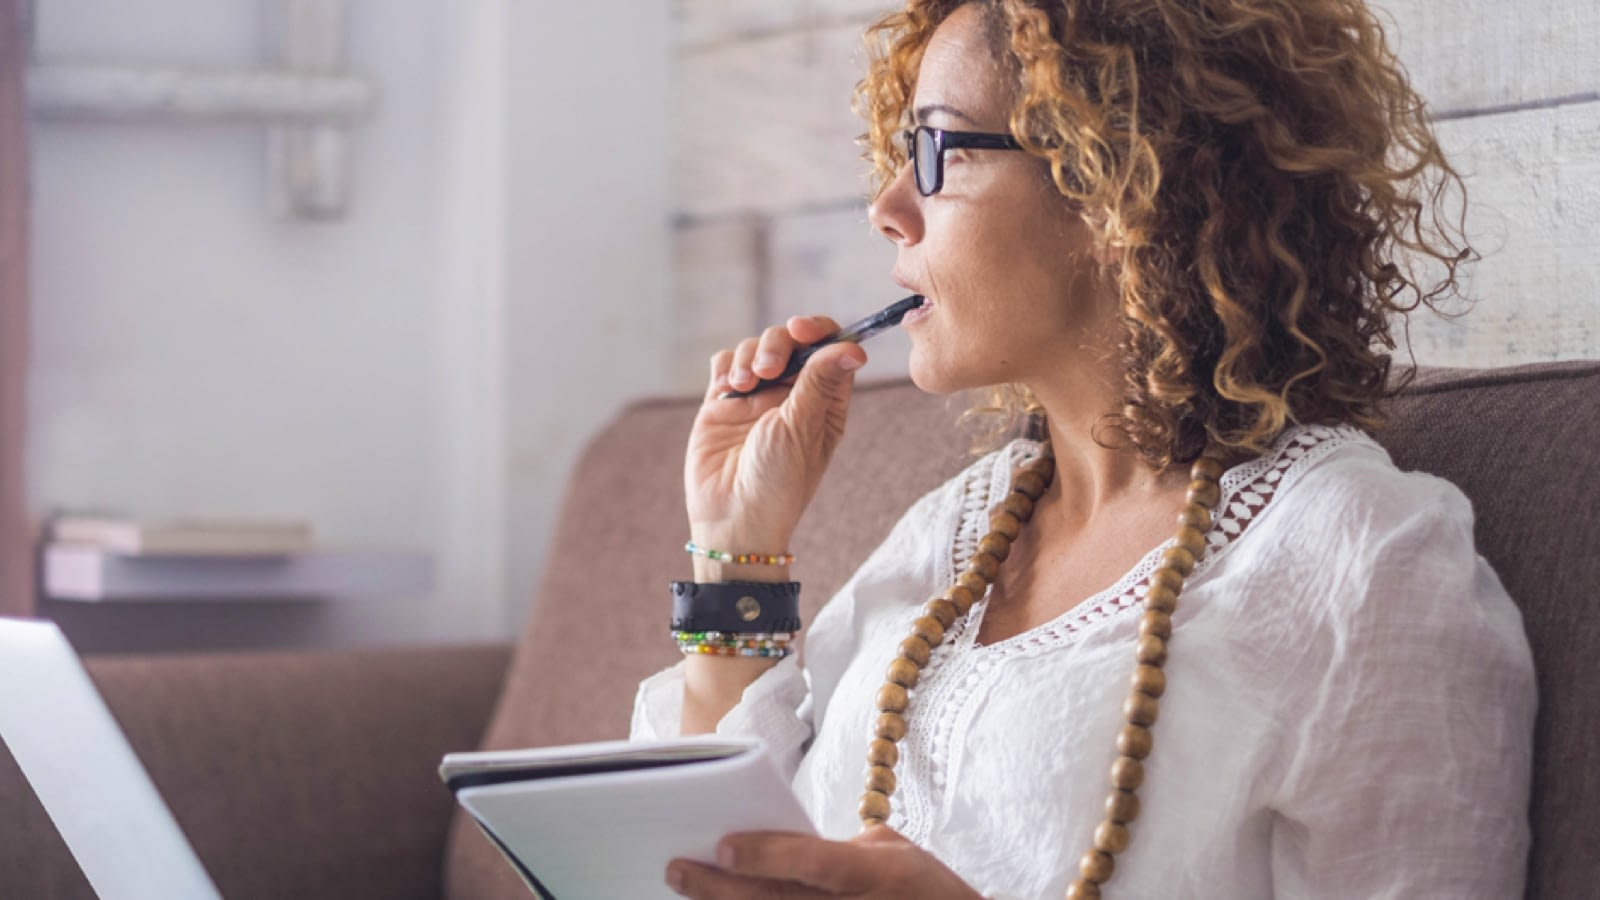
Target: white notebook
pixel 603 820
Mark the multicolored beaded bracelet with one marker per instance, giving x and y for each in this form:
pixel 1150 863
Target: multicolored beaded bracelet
pixel 717 643
pixel 758 559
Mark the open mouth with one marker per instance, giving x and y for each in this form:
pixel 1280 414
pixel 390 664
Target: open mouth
pixel 921 312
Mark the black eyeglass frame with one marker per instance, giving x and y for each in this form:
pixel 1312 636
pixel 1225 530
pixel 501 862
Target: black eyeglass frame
pixel 943 140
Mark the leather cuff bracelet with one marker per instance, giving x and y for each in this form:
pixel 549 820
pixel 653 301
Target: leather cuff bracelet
pixel 735 607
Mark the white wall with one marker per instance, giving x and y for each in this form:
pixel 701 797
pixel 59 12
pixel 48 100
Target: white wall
pixel 387 376
pixel 588 274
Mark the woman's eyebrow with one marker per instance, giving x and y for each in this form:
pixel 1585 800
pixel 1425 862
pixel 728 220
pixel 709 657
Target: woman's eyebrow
pixel 923 112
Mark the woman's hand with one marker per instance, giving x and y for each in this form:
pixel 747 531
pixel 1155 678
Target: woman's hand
pixel 754 462
pixel 769 866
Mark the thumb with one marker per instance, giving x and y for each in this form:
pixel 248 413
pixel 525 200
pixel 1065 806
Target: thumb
pixel 824 386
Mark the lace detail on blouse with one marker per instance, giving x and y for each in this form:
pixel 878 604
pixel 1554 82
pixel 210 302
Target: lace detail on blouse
pixel 959 665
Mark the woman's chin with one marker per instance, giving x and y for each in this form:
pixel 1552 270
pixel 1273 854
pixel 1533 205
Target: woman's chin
pixel 932 379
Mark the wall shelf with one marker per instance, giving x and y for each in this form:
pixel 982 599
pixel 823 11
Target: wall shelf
pixel 92 575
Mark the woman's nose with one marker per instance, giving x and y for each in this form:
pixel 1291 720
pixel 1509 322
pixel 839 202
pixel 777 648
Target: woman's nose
pixel 896 212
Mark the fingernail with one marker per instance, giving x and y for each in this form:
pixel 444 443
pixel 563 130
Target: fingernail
pixel 738 374
pixel 849 363
pixel 675 879
pixel 767 361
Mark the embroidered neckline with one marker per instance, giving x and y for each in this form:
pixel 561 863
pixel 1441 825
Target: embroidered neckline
pixel 1247 490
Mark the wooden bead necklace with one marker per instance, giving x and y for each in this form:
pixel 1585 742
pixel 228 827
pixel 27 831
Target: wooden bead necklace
pixel 1134 741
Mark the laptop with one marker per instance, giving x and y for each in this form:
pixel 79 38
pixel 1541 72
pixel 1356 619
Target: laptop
pixel 87 776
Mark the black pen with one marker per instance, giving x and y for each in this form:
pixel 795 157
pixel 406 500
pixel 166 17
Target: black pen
pixel 856 332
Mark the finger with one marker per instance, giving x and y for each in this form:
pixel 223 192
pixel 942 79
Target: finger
pixel 810 329
pixel 811 861
pixel 739 376
pixel 721 362
pixel 773 352
pixel 709 883
pixel 822 392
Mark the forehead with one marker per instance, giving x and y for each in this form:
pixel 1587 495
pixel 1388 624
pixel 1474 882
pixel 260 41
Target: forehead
pixel 959 72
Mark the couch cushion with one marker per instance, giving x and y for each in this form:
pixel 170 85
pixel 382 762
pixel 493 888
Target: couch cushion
pixel 1519 441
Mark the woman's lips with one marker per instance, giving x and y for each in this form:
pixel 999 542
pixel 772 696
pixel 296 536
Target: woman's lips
pixel 918 314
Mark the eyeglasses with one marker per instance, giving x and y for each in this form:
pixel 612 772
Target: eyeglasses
pixel 925 148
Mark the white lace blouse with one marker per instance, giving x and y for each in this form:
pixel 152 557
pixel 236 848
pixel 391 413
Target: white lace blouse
pixel 1349 710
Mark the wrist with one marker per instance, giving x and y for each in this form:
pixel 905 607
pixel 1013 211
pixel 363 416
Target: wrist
pixel 731 540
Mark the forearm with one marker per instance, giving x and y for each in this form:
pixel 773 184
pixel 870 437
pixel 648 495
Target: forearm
pixel 712 685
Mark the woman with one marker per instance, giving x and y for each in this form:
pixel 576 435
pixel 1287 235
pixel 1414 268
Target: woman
pixel 1173 232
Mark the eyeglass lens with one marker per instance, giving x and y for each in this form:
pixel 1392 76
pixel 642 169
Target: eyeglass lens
pixel 926 160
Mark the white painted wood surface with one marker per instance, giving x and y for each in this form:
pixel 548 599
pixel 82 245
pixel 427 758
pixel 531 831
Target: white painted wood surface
pixel 61 91
pixel 770 187
pixel 308 103
pixel 310 162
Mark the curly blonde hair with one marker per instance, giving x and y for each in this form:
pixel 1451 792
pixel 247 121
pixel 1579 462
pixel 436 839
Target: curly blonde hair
pixel 1268 177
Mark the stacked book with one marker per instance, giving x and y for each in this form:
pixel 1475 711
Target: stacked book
pixel 194 537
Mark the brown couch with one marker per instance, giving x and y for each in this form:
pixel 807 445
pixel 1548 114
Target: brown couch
pixel 311 775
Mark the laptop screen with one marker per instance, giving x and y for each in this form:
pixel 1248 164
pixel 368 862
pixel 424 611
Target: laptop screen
pixel 86 775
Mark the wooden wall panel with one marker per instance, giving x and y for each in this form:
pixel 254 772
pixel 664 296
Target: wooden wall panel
pixel 717 295
pixel 1534 214
pixel 1466 55
pixel 765 125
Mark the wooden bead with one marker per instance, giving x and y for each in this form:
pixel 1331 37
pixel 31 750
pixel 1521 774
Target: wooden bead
pixel 962 597
pixel 1192 540
pixel 881 779
pixel 1135 741
pixel 929 629
pixel 1206 468
pixel 1204 492
pixel 903 672
pixel 1006 524
pixel 1193 515
pixel 1029 482
pixel 1019 505
pixel 1156 624
pixel 1139 709
pixel 972 582
pixel 891 726
pixel 1083 890
pixel 893 698
pixel 1148 680
pixel 1152 651
pixel 1110 837
pixel 874 805
pixel 870 822
pixel 1122 806
pixel 996 545
pixel 883 753
pixel 985 565
pixel 1096 867
pixel 1127 773
pixel 915 650
pixel 1161 598
pixel 1178 560
pixel 942 611
pixel 1168 579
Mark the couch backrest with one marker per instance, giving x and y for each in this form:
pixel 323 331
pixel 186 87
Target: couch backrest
pixel 1520 442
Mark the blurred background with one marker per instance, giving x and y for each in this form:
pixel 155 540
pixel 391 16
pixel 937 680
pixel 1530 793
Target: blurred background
pixel 381 268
